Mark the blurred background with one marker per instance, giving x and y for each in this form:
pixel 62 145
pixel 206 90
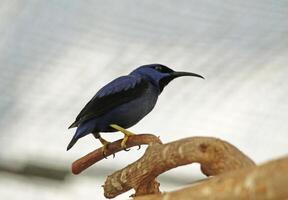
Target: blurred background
pixel 55 55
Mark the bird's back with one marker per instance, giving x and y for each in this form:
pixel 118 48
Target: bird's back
pixel 115 93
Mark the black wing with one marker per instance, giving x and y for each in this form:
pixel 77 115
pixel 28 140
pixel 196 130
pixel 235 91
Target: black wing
pixel 115 93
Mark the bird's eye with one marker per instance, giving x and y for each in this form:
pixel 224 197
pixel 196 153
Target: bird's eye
pixel 162 69
pixel 159 68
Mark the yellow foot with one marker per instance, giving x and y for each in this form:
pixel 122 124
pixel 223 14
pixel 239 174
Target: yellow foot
pixel 125 132
pixel 105 146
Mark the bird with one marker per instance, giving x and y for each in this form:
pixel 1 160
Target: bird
pixel 123 102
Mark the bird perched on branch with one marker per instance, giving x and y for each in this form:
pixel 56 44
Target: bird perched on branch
pixel 123 102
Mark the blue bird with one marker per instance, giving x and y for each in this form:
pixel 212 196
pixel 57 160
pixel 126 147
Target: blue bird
pixel 123 102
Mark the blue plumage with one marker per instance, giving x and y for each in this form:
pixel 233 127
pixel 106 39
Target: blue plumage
pixel 124 101
pixel 119 84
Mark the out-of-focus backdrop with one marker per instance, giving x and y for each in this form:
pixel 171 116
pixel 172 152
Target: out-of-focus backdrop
pixel 54 56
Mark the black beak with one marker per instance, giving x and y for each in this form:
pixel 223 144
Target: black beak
pixel 172 75
pixel 179 74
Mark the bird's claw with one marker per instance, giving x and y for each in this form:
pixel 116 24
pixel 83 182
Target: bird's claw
pixel 125 149
pixel 126 137
pixel 104 155
pixel 105 149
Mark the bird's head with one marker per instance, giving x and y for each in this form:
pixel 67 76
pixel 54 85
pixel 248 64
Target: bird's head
pixel 160 75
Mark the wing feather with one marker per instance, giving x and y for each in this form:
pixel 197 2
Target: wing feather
pixel 115 93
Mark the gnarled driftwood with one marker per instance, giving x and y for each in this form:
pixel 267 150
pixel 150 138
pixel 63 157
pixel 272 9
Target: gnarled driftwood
pixel 267 181
pixel 215 156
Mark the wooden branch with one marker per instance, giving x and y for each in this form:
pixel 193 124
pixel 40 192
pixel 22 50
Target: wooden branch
pixel 215 156
pixel 268 181
pixel 86 161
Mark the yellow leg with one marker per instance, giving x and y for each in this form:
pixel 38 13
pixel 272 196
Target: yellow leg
pixel 105 144
pixel 125 132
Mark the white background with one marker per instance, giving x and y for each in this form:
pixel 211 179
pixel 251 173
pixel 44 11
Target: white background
pixel 55 55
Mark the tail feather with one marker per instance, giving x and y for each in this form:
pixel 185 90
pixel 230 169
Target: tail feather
pixel 72 142
pixel 81 131
pixel 73 125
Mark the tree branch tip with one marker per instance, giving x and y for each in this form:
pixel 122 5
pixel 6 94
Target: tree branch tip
pixel 114 147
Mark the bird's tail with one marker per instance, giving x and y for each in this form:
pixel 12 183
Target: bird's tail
pixel 82 130
pixel 72 142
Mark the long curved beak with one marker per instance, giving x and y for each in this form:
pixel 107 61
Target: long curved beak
pixel 179 74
